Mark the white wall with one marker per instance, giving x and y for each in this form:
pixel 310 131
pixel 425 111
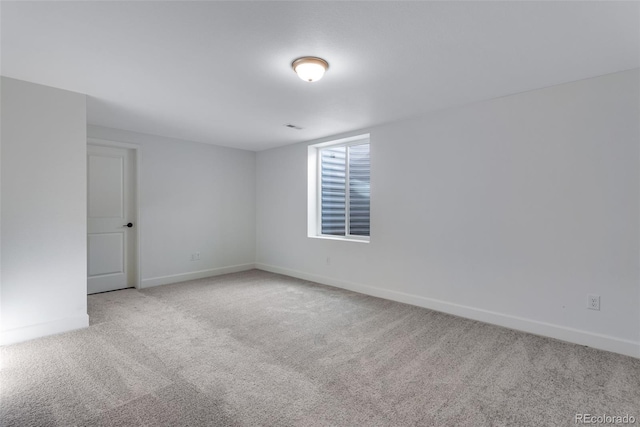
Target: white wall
pixel 43 213
pixel 193 198
pixel 508 211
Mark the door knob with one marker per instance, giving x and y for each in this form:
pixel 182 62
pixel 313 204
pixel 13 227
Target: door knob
pixel 130 224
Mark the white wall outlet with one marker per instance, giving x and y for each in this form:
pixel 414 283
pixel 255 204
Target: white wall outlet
pixel 197 256
pixel 593 302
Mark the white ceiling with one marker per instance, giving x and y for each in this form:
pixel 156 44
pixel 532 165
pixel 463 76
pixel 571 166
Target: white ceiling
pixel 219 72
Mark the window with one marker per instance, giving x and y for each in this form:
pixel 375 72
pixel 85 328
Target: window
pixel 340 189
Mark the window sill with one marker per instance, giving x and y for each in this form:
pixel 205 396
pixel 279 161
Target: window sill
pixel 345 239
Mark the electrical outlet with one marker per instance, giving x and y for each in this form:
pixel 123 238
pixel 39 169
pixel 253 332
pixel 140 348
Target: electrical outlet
pixel 593 302
pixel 197 256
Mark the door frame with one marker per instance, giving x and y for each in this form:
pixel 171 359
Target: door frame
pixel 137 253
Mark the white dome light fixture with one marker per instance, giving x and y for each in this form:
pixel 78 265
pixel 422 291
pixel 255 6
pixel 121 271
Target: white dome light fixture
pixel 310 68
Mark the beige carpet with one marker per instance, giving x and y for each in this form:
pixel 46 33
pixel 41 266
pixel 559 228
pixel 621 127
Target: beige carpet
pixel 256 348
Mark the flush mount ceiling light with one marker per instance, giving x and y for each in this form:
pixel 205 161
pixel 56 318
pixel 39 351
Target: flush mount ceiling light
pixel 310 68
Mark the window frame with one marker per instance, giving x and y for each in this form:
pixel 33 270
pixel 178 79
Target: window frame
pixel 314 226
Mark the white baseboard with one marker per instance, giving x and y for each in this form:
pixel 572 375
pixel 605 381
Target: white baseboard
pixel 39 330
pixel 576 336
pixel 201 274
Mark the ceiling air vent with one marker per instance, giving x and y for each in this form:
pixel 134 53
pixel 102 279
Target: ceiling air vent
pixel 290 126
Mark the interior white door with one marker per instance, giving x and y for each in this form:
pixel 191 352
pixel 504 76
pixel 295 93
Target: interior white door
pixel 111 219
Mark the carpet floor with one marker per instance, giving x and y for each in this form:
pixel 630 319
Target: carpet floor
pixel 260 349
